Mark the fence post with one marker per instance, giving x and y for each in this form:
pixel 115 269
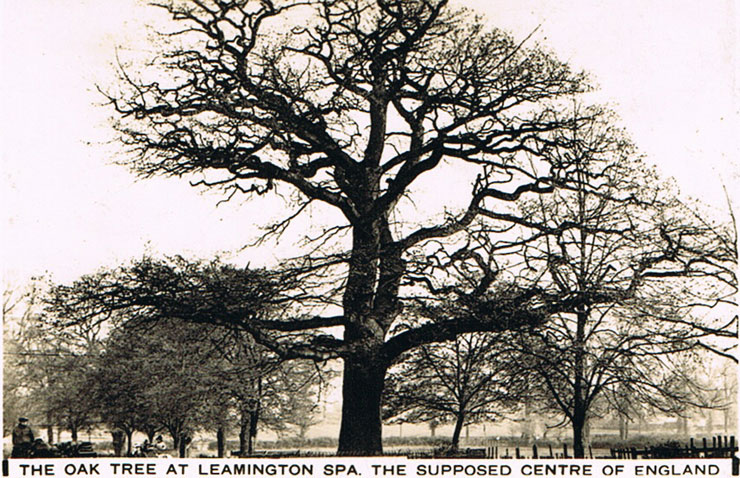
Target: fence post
pixel 534 451
pixel 565 450
pixel 552 455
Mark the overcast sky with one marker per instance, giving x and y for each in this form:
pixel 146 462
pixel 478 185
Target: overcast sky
pixel 668 68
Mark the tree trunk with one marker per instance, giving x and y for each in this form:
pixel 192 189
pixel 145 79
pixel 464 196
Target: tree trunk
pixel 578 423
pixel 622 427
pixel 184 442
pixel 220 441
pixel 73 430
pixel 129 440
pixel 244 441
pixel 580 406
pixel 49 428
pixel 254 417
pixel 456 433
pixel 361 429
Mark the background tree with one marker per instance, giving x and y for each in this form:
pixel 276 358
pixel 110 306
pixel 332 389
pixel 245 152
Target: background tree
pixel 635 264
pixel 463 382
pixel 48 370
pixel 121 380
pixel 192 377
pixel 18 308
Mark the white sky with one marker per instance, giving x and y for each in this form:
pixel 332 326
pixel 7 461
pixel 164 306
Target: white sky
pixel 668 67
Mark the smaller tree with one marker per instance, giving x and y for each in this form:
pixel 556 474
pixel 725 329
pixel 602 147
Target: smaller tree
pixel 463 382
pixel 48 370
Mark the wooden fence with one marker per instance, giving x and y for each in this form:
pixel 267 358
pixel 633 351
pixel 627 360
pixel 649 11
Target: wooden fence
pixel 721 447
pixel 537 452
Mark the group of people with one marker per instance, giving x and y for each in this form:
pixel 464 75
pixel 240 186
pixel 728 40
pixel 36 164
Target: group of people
pixel 24 439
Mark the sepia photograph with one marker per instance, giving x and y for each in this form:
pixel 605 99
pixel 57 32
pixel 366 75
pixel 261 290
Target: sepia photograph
pixel 364 228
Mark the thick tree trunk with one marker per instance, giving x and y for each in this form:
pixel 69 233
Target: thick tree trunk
pixel 370 302
pixel 361 429
pixel 459 422
pixel 73 430
pixel 220 442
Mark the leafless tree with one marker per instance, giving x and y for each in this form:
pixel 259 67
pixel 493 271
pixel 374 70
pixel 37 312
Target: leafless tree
pixel 349 113
pixel 348 116
pixel 640 270
pixel 463 381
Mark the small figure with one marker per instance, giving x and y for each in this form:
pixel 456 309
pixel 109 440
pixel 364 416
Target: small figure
pixel 22 439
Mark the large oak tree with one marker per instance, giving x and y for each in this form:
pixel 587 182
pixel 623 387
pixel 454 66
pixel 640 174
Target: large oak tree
pixel 349 114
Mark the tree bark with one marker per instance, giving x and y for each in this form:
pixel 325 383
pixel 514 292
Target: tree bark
pixel 254 417
pixel 460 421
pixel 578 423
pixel 220 441
pixel 183 445
pixel 49 428
pixel 580 406
pixel 129 440
pixel 361 428
pixel 622 427
pixel 244 435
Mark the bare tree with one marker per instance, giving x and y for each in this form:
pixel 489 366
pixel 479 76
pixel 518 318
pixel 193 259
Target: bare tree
pixel 349 113
pixel 464 381
pixel 639 268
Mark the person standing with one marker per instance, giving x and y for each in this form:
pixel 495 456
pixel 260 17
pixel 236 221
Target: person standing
pixel 22 439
